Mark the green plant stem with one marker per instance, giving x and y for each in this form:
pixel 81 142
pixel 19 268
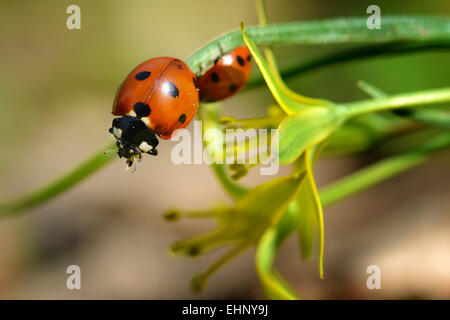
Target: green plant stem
pixel 233 189
pixel 341 30
pixel 382 170
pixel 435 117
pixel 59 185
pixel 399 101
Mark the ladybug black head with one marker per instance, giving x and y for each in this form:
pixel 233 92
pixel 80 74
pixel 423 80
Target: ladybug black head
pixel 134 137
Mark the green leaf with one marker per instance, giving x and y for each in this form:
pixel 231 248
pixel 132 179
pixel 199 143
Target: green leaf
pixel 272 63
pixel 290 101
pixel 274 285
pixel 305 206
pixel 304 130
pixel 306 220
pixel 315 200
pixel 269 200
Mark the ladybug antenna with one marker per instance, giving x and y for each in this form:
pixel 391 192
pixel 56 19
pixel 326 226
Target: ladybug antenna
pixel 109 151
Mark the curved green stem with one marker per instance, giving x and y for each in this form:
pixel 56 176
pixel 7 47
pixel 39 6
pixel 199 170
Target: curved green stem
pixel 59 185
pixel 234 189
pixel 341 30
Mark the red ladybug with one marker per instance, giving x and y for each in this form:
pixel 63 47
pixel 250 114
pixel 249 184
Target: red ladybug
pixel 159 96
pixel 228 75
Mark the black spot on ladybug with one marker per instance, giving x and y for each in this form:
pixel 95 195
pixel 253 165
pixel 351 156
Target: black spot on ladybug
pixel 249 58
pixel 180 66
pixel 182 118
pixel 173 90
pixel 233 87
pixel 141 109
pixel 240 61
pixel 194 79
pixel 215 77
pixel 143 75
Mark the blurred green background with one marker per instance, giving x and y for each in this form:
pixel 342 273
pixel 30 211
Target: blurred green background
pixel 56 90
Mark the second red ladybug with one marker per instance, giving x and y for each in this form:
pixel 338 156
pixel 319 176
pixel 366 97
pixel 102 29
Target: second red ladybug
pixel 228 75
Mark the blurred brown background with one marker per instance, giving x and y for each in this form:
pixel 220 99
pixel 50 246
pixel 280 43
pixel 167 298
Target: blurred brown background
pixel 56 90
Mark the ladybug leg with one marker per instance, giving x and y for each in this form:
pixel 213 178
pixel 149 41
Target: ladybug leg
pixel 200 71
pixel 120 146
pixel 133 170
pixel 120 143
pixel 153 152
pixel 222 51
pixel 137 153
pixel 129 163
pixel 221 54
